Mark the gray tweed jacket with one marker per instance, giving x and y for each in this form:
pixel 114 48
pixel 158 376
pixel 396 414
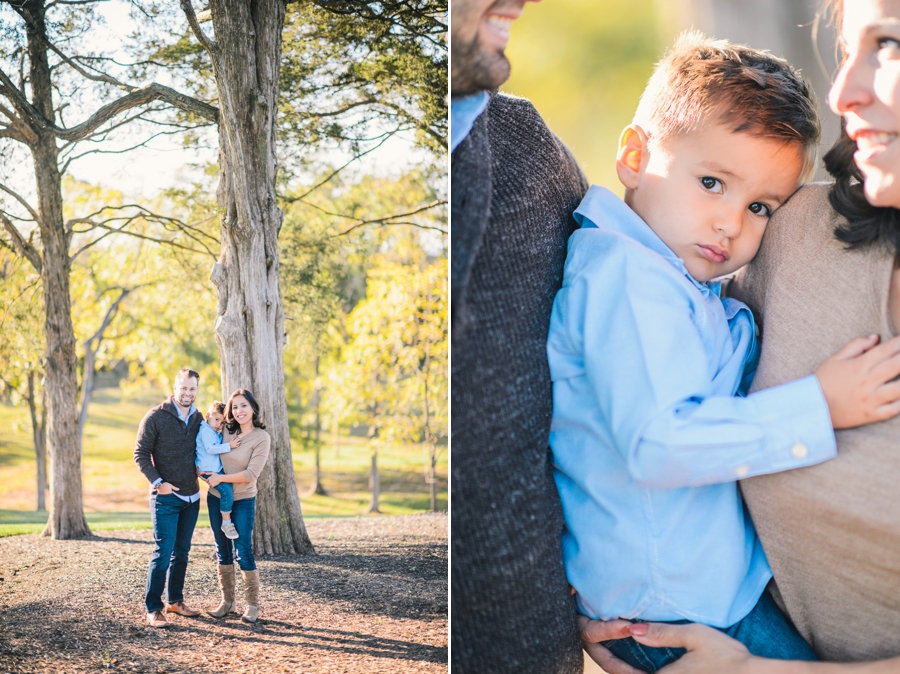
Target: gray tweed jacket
pixel 514 188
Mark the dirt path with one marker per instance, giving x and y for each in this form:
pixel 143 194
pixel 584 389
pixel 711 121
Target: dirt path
pixel 374 599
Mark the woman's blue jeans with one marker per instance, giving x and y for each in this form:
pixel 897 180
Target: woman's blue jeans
pixel 239 550
pixel 173 526
pixel 765 631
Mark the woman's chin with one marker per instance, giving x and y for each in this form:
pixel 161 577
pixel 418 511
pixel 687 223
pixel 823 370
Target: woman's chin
pixel 882 190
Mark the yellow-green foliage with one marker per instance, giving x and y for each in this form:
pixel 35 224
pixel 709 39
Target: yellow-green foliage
pixel 584 64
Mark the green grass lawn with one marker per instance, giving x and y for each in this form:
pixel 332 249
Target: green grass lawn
pixel 115 493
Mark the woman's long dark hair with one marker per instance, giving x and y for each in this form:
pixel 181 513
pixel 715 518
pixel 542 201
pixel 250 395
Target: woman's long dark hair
pixel 230 423
pixel 866 224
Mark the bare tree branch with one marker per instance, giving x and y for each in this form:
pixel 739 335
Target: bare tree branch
pixel 31 211
pixel 14 120
pixel 144 212
pixel 327 179
pixel 135 98
pixel 22 246
pixel 208 44
pixel 73 2
pixel 127 149
pixel 388 224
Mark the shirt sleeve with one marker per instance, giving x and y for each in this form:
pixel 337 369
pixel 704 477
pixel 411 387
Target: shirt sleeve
pixel 646 362
pixel 208 441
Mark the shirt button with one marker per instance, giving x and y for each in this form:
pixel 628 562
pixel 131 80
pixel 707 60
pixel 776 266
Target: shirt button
pixel 741 471
pixel 799 450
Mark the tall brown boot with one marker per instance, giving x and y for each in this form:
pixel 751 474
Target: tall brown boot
pixel 251 595
pixel 226 585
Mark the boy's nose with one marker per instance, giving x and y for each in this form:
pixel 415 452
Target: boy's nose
pixel 729 224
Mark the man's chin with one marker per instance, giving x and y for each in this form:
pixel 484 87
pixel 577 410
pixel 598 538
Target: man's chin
pixel 478 71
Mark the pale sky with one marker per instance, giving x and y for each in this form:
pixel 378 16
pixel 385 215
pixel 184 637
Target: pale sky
pixel 145 171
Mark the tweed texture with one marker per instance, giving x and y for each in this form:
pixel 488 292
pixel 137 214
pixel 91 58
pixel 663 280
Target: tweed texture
pixel 514 188
pixel 166 447
pixel 831 532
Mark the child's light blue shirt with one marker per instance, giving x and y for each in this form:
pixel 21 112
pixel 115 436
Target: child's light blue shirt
pixel 647 436
pixel 208 449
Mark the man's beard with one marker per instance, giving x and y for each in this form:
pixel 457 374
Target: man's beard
pixel 181 401
pixel 475 71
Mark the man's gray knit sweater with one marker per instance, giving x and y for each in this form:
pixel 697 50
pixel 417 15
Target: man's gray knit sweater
pixel 514 188
pixel 166 447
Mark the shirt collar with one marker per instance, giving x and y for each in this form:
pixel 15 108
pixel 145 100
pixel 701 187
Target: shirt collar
pixel 185 417
pixel 463 113
pixel 602 209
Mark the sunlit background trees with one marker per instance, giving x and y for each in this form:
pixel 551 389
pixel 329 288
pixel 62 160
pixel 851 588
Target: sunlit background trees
pixel 361 183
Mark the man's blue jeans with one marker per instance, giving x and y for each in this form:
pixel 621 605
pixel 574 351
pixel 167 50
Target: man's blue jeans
pixel 242 516
pixel 173 526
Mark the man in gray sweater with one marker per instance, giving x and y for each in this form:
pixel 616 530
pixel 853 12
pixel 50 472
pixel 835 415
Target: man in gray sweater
pixel 165 450
pixel 514 188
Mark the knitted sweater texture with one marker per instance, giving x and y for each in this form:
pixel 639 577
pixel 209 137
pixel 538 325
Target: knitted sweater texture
pixel 514 188
pixel 166 447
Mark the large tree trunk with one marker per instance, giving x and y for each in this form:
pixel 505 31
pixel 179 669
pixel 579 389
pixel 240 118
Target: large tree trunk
pixel 317 488
pixel 39 433
pixel 374 484
pixel 66 507
pixel 250 320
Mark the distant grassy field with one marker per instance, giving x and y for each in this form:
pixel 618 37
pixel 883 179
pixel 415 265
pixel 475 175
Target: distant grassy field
pixel 115 492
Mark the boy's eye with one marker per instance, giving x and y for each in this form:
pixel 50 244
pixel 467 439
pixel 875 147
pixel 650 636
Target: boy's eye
pixel 713 185
pixel 888 43
pixel 760 209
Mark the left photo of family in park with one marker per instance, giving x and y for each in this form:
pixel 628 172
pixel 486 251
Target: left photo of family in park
pixel 224 336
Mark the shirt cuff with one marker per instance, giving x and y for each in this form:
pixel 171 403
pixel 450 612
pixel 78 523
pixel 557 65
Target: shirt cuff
pixel 796 424
pixel 158 481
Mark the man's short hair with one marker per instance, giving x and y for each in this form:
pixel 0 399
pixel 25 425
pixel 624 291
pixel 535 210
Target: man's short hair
pixel 701 80
pixel 187 373
pixel 216 406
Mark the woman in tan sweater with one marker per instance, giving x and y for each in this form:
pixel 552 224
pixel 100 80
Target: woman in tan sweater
pixel 241 467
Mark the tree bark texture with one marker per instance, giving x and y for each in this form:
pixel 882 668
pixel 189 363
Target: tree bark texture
pixel 39 433
pixel 249 327
pixel 66 506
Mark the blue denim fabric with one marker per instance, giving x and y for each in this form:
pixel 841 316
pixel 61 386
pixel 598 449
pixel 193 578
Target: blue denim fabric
pixel 764 631
pixel 173 526
pixel 226 500
pixel 242 515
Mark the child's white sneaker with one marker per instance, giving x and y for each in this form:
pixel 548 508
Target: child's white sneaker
pixel 229 530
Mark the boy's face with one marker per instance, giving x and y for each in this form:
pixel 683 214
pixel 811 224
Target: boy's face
pixel 215 419
pixel 708 194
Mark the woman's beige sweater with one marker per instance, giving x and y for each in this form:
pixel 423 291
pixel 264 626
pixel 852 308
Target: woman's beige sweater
pixel 831 531
pixel 249 458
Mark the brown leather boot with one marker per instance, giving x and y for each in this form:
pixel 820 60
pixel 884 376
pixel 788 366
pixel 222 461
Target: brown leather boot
pixel 226 585
pixel 251 595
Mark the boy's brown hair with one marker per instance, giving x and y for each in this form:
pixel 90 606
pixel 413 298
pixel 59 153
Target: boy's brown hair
pixel 216 406
pixel 748 89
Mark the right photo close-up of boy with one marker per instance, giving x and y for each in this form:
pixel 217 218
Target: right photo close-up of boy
pixel 675 369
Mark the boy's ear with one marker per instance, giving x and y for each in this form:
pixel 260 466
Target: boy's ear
pixel 632 149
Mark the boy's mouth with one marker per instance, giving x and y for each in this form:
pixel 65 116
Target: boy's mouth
pixel 714 253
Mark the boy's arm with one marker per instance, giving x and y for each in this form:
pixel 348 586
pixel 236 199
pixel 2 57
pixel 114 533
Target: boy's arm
pixel 646 363
pixel 208 441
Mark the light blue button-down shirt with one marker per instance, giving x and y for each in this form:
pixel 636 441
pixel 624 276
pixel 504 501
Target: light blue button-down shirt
pixel 185 418
pixel 209 446
pixel 648 437
pixel 463 113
